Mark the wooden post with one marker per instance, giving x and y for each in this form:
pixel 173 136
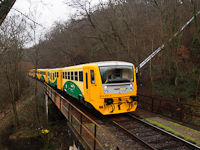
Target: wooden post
pixel 181 118
pixel 95 132
pixel 152 103
pixel 160 105
pixel 81 124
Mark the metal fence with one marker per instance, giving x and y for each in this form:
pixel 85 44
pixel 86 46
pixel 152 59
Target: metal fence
pixel 92 133
pixel 180 111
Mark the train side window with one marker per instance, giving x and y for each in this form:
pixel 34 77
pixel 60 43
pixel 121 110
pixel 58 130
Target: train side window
pixel 65 75
pixel 57 75
pixel 69 75
pixel 81 76
pixel 72 75
pixel 76 76
pixel 53 75
pixel 92 77
pixel 86 80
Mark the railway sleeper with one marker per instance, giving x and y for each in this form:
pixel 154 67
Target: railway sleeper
pixel 150 136
pixel 159 140
pixel 141 131
pixel 172 147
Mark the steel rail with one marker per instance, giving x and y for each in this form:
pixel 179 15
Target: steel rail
pixel 191 145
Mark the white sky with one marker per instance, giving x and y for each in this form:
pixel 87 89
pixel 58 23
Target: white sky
pixel 45 12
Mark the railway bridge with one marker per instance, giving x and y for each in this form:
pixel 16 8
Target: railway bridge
pixel 91 130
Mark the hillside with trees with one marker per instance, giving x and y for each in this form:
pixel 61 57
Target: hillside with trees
pixel 131 31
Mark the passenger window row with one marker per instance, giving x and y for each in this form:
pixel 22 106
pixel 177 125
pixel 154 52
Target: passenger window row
pixel 73 75
pixel 53 75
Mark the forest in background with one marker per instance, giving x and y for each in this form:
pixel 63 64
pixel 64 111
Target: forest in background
pixel 123 30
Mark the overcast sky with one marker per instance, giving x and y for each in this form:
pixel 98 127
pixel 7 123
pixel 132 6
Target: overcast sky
pixel 44 12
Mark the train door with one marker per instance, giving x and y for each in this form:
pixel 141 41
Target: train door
pixel 90 88
pixel 86 87
pixel 92 84
pixel 51 79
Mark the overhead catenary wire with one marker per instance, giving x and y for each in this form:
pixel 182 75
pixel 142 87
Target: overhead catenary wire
pixel 162 46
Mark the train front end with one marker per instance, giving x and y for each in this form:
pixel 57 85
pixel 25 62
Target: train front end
pixel 119 88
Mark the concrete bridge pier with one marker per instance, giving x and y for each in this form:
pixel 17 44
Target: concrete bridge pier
pixel 46 109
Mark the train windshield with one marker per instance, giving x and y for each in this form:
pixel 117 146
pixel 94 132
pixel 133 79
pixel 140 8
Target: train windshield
pixel 116 74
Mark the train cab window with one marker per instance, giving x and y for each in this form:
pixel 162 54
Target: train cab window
pixel 118 73
pixel 65 75
pixel 69 75
pixel 76 76
pixel 92 76
pixel 81 76
pixel 72 75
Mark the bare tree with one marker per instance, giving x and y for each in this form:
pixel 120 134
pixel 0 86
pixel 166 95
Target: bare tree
pixel 12 45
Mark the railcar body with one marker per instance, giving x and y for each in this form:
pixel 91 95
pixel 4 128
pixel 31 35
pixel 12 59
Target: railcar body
pixel 54 77
pixel 110 87
pixel 42 74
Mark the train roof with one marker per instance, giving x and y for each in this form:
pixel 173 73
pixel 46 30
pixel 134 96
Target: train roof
pixel 103 63
pixel 114 63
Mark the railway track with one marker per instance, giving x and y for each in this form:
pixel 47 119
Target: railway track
pixel 147 135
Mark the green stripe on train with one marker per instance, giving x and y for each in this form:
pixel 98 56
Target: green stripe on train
pixel 53 84
pixel 72 89
pixel 42 78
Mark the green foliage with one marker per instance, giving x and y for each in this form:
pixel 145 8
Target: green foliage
pixel 184 88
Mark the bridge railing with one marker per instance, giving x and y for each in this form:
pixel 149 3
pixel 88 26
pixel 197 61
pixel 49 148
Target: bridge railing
pixel 180 111
pixel 92 133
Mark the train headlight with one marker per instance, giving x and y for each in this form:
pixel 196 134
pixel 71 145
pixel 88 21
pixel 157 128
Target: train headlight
pixel 106 91
pixel 105 87
pixel 131 87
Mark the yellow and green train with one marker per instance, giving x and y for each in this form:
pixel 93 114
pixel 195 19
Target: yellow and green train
pixel 110 87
